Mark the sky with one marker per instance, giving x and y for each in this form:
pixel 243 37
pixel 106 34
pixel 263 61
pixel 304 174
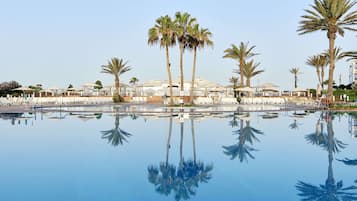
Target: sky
pixel 57 43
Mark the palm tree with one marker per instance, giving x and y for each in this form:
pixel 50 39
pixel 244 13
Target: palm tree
pixel 338 55
pixel 133 82
pixel 241 53
pixel 197 38
pixel 334 17
pixel 250 70
pixel 319 62
pixel 116 67
pixel 234 81
pixel 295 72
pixel 294 125
pixel 164 33
pixel 116 136
pixel 182 21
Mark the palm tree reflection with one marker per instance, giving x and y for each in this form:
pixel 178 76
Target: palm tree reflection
pixel 234 121
pixel 183 180
pixel 247 134
pixel 350 162
pixel 331 190
pixel 116 136
pixel 294 125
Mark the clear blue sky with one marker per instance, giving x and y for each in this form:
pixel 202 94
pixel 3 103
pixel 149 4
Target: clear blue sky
pixel 60 42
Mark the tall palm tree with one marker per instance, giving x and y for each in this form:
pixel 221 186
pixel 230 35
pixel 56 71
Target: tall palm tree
pixel 164 33
pixel 250 70
pixel 334 17
pixel 116 136
pixel 116 67
pixel 182 21
pixel 197 38
pixel 234 81
pixel 319 62
pixel 295 72
pixel 241 53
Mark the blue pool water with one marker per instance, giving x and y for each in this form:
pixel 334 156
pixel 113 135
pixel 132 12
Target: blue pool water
pixel 222 156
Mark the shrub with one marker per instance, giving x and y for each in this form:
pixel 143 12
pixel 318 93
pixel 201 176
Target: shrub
pixel 118 99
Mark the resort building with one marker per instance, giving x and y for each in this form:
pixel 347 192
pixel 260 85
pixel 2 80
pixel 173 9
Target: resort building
pixel 161 88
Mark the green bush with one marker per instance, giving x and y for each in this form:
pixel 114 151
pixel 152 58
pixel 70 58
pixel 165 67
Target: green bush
pixel 352 94
pixel 313 91
pixel 118 99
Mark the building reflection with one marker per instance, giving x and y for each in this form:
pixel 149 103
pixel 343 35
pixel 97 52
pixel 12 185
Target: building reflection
pixel 183 180
pixel 332 189
pixel 352 124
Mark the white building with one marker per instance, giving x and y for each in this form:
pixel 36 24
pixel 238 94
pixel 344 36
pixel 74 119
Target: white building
pixel 353 72
pixel 161 88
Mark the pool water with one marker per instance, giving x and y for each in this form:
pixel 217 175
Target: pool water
pixel 221 156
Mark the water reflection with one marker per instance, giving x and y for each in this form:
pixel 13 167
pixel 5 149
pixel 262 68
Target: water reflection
pixel 330 190
pixel 350 162
pixel 246 134
pixel 182 180
pixel 116 136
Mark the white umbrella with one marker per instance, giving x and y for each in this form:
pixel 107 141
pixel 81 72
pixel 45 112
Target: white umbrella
pixel 244 89
pixel 299 90
pixel 23 89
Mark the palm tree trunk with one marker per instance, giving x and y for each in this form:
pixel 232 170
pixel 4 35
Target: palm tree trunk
pixel 168 142
pixel 193 140
pixel 234 90
pixel 319 80
pixel 248 85
pixel 193 74
pixel 241 64
pixel 318 75
pixel 117 85
pixel 331 37
pixel 181 67
pixel 295 77
pixel 248 82
pixel 322 77
pixel 169 74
